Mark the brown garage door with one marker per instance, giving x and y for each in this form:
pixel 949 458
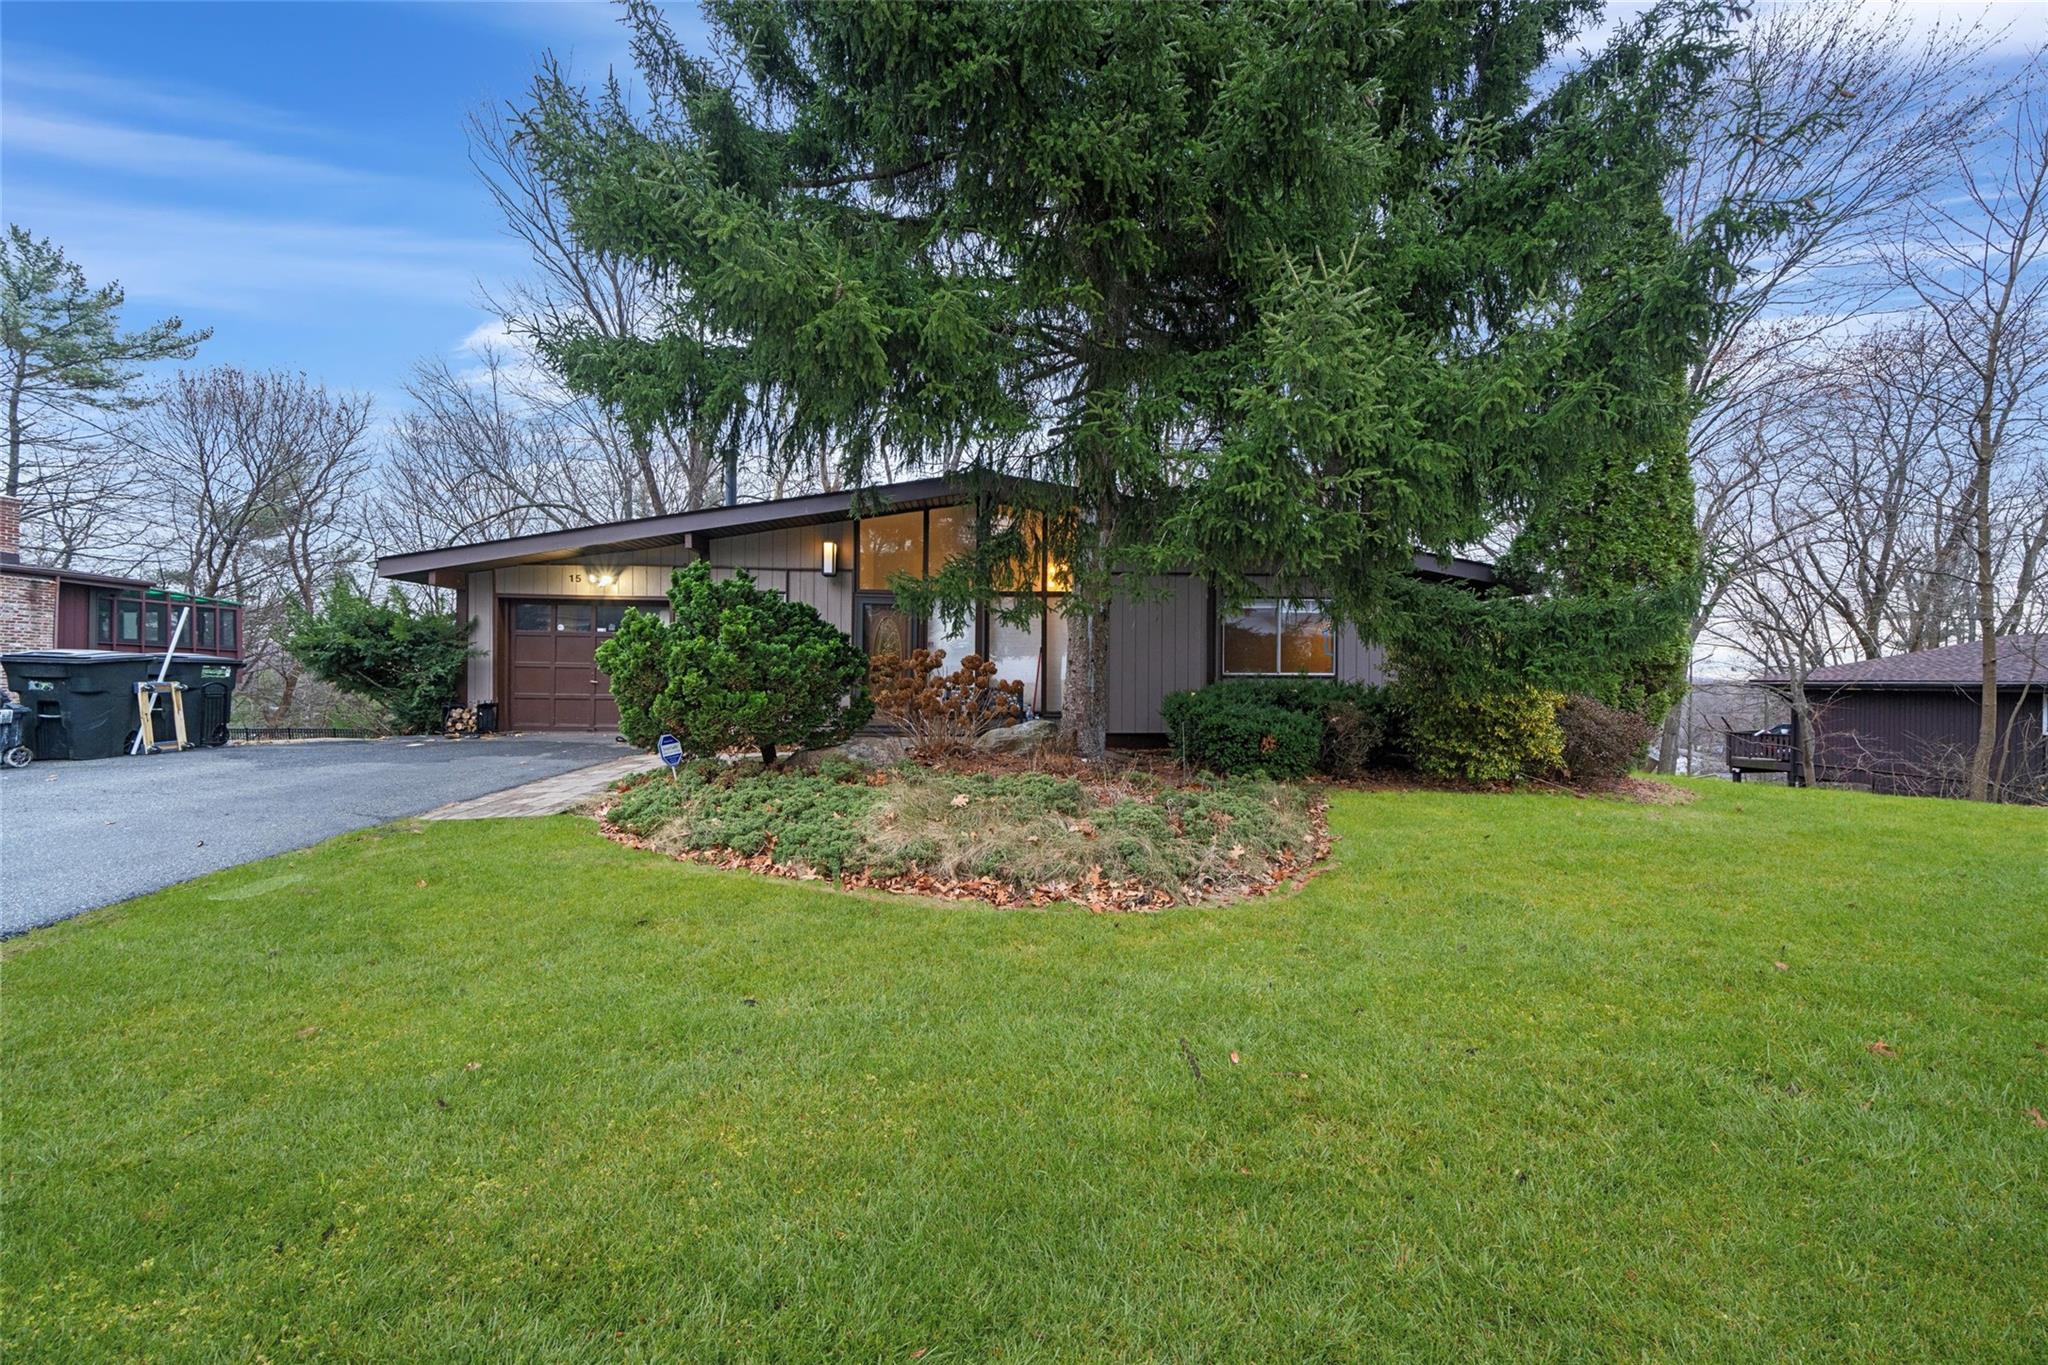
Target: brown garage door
pixel 555 683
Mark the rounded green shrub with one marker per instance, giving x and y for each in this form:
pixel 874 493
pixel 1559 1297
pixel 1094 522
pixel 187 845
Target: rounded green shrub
pixel 1239 735
pixel 739 667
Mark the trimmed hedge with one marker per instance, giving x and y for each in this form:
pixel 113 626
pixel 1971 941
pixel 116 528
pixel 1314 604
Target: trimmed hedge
pixel 1282 727
pixel 1238 736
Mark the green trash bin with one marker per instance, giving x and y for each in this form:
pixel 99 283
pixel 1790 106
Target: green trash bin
pixel 82 701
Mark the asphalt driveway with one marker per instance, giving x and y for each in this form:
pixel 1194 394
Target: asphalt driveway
pixel 74 836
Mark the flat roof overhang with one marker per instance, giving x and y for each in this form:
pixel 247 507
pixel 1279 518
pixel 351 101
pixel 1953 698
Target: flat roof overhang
pixel 448 568
pixel 693 529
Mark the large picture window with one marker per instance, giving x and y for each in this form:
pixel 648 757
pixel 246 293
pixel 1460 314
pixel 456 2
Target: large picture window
pixel 889 546
pixel 1276 637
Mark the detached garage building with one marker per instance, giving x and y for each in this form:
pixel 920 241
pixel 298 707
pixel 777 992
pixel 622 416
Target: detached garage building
pixel 543 603
pixel 1906 725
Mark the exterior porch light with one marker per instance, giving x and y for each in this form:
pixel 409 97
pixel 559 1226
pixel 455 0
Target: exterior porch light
pixel 603 580
pixel 828 565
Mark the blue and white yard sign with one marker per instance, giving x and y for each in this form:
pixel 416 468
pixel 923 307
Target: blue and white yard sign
pixel 671 750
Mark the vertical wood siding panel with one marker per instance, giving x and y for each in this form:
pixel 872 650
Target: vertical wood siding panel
pixel 1157 645
pixel 483 607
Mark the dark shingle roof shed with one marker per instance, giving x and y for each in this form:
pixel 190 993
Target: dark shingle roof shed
pixel 2022 662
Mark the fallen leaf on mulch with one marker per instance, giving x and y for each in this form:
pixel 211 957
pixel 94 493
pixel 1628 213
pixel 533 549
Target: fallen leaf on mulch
pixel 960 800
pixel 1884 1049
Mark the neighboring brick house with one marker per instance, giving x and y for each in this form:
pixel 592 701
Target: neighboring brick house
pixel 46 608
pixel 33 598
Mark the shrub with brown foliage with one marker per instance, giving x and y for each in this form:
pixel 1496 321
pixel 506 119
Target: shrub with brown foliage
pixel 942 712
pixel 1601 742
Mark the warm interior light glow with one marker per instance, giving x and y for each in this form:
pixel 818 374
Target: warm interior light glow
pixel 830 564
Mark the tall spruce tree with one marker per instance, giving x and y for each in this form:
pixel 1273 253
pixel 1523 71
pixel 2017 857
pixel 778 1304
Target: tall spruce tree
pixel 1266 287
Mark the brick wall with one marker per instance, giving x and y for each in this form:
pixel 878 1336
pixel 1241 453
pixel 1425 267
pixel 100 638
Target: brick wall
pixel 28 614
pixel 10 529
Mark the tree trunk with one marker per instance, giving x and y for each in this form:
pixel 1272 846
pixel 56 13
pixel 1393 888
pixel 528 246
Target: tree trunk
pixel 280 713
pixel 1987 621
pixel 1084 704
pixel 15 384
pixel 1668 741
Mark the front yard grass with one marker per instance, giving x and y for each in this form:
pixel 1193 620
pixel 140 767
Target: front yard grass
pixel 1524 1077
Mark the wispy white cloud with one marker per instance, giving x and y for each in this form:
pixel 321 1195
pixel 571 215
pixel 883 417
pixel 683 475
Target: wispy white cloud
pixel 143 151
pixel 47 79
pixel 207 263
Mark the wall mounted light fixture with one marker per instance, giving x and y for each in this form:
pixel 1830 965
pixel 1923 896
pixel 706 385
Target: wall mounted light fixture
pixel 829 564
pixel 603 580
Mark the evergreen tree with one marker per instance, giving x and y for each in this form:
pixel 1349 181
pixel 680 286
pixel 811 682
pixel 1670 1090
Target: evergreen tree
pixel 1263 286
pixel 68 365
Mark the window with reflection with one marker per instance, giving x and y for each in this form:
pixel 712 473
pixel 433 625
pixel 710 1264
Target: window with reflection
pixel 952 535
pixel 573 618
pixel 889 546
pixel 1273 637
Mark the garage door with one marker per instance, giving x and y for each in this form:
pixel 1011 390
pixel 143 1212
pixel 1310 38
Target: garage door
pixel 555 683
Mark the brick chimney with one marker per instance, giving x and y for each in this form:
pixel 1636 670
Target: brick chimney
pixel 10 529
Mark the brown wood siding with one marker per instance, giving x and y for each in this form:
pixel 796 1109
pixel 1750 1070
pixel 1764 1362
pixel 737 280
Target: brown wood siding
pixel 788 559
pixel 1917 742
pixel 1158 643
pixel 74 616
pixel 638 575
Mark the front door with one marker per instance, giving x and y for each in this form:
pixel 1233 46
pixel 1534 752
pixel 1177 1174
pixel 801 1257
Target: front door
pixel 554 682
pixel 886 628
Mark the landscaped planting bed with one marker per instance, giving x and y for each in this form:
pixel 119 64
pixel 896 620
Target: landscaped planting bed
pixel 1128 839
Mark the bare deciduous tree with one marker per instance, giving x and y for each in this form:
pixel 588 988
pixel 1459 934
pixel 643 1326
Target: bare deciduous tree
pixel 1827 123
pixel 256 479
pixel 575 289
pixel 1978 266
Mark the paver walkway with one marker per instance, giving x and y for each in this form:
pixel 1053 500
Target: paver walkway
pixel 548 796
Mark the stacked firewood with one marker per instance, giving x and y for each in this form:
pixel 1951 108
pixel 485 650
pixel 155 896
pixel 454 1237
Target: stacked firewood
pixel 459 721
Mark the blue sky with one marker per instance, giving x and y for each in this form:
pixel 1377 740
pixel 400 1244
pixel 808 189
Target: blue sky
pixel 292 175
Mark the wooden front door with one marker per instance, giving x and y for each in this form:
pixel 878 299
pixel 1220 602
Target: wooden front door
pixel 886 628
pixel 553 681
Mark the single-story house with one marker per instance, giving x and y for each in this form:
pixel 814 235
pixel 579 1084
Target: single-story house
pixel 1907 724
pixel 49 608
pixel 542 603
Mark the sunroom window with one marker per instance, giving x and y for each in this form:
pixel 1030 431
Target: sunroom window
pixel 1271 636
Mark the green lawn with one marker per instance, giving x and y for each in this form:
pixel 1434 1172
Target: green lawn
pixel 1519 1079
